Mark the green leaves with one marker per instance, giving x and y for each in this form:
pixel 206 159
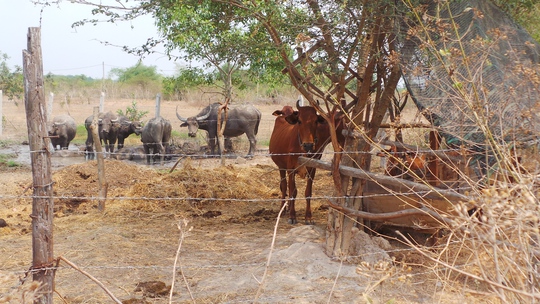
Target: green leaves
pixel 11 82
pixel 137 74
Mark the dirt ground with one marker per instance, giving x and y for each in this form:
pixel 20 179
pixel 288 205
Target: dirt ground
pixel 219 222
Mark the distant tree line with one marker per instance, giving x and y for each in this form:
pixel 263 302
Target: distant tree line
pixel 139 76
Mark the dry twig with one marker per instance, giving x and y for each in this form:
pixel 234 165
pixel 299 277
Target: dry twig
pixel 91 278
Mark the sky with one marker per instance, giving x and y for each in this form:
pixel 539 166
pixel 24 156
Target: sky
pixel 69 51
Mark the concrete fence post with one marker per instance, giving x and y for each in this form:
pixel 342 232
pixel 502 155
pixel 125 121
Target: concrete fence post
pixel 158 104
pixel 50 106
pixel 102 102
pixel 1 113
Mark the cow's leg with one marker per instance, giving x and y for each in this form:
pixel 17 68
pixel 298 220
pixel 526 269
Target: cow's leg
pixel 292 197
pixel 252 144
pixel 161 152
pixel 111 145
pixel 147 152
pixel 283 186
pixel 64 144
pixel 120 143
pixel 89 146
pixel 228 146
pixel 307 195
pixel 212 143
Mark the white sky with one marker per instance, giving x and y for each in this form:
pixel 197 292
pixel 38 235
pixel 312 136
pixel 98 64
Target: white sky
pixel 68 51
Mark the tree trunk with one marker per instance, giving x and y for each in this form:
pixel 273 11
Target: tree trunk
pixel 42 205
pixel 368 115
pixel 221 125
pixel 102 181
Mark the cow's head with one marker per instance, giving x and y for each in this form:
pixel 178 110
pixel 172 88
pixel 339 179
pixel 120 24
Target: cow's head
pixel 53 128
pixel 137 127
pixel 307 120
pixel 286 111
pixel 108 121
pixel 192 122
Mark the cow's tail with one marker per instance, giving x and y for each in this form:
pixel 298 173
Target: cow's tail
pixel 258 122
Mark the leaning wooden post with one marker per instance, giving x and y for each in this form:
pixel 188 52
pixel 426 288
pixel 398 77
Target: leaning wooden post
pixel 102 102
pixel 42 203
pixel 102 181
pixel 158 105
pixel 1 113
pixel 221 129
pixel 50 105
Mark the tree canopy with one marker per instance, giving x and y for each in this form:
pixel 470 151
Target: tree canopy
pixel 11 81
pixel 345 54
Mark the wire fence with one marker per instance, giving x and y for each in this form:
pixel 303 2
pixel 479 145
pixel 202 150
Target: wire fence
pixel 229 271
pixel 208 274
pixel 352 291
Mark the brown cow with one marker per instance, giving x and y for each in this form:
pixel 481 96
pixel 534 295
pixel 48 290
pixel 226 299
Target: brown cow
pixel 297 133
pixel 404 164
pixel 324 138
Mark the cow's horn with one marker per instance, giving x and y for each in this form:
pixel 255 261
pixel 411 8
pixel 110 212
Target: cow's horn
pixel 182 119
pixel 114 120
pixel 59 123
pixel 298 105
pixel 205 116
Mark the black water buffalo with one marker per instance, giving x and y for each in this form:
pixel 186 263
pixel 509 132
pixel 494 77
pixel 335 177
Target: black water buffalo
pixel 62 130
pixel 242 119
pixel 130 153
pixel 108 127
pixel 127 127
pixel 155 137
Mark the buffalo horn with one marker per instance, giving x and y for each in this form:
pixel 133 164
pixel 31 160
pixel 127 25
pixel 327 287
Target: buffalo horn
pixel 205 116
pixel 299 102
pixel 182 119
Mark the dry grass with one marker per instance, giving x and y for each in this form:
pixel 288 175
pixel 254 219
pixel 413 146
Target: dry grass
pixel 236 205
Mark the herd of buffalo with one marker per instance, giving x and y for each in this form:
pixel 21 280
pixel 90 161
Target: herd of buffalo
pixel 300 131
pixel 155 135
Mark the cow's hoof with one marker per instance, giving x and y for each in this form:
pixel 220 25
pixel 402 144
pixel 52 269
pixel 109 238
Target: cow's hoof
pixel 310 222
pixel 293 221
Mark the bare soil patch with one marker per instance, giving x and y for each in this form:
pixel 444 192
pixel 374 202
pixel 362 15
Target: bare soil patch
pixel 222 221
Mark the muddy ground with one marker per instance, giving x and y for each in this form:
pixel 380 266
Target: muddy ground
pixel 215 223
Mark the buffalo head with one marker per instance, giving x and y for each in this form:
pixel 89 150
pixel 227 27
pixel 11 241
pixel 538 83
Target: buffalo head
pixel 192 122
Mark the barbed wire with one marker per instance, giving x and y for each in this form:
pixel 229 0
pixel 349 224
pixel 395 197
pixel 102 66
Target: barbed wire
pixel 213 199
pixel 273 264
pixel 218 266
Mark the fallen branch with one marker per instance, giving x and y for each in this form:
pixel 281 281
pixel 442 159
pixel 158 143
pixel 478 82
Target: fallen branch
pixel 176 164
pixel 423 210
pixel 91 278
pixel 181 226
pixel 384 179
pixel 261 284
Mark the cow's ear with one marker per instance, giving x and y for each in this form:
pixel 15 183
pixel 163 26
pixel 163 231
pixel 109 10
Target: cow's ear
pixel 293 118
pixel 184 124
pixel 277 113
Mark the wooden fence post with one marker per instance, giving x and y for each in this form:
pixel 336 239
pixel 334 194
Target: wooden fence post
pixel 1 113
pixel 102 181
pixel 221 125
pixel 50 106
pixel 42 204
pixel 102 102
pixel 158 105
